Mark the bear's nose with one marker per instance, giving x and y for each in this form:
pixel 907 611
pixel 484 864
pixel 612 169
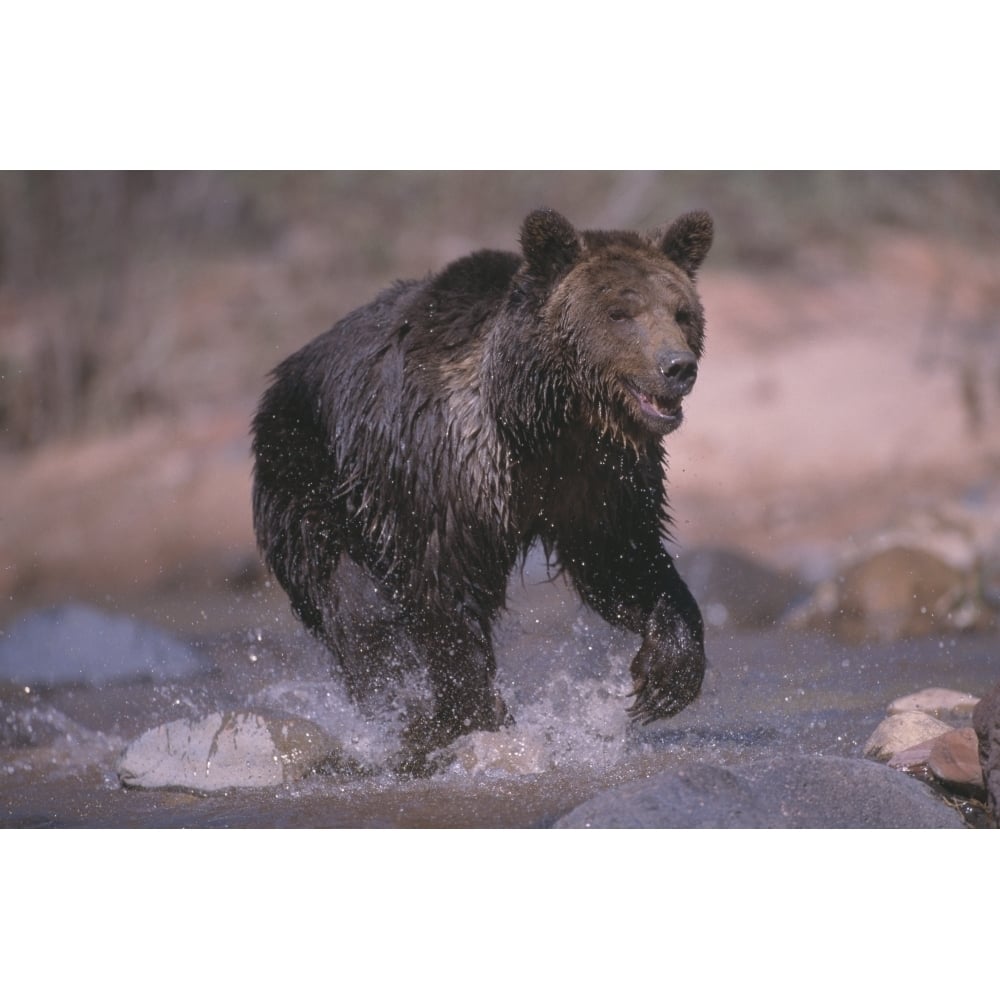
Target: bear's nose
pixel 679 370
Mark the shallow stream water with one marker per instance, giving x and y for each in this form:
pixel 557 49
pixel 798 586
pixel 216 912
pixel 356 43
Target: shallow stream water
pixel 562 670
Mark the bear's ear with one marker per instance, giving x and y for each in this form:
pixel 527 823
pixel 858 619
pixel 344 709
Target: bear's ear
pixel 549 243
pixel 687 240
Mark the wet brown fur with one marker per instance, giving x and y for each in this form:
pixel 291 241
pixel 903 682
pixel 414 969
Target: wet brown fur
pixel 408 457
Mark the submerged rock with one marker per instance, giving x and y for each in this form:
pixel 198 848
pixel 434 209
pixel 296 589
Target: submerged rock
pixel 790 792
pixel 75 643
pixel 902 731
pixel 225 750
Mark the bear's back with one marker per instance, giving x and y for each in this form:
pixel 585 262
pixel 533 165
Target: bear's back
pixel 454 306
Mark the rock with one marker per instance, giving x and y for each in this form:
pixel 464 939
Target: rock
pixel 504 751
pixel 736 591
pixel 895 593
pixel 902 731
pixel 913 759
pixel 954 760
pixel 957 532
pixel 939 702
pixel 949 762
pixel 225 750
pixel 789 792
pixel 986 720
pixel 75 643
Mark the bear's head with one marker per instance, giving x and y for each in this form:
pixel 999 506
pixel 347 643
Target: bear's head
pixel 621 316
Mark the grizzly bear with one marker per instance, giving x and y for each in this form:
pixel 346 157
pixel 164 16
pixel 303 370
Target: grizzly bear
pixel 407 458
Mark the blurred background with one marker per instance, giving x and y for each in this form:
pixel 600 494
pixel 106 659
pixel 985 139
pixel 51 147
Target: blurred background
pixel 852 378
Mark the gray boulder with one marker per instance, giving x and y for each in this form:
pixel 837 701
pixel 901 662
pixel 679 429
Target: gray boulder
pixel 789 792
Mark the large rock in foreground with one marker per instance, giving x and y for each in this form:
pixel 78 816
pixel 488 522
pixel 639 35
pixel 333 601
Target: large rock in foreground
pixel 790 792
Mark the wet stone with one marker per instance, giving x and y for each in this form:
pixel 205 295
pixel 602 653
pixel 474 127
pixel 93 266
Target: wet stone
pixel 950 759
pixel 902 731
pixel 795 792
pixel 226 750
pixel 942 703
pixel 954 760
pixel 914 758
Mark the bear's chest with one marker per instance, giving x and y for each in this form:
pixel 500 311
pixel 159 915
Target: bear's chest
pixel 581 487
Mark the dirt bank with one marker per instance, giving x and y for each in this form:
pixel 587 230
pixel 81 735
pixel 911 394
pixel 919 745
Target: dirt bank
pixel 830 402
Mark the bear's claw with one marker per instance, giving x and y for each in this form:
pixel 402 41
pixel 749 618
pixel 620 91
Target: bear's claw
pixel 654 702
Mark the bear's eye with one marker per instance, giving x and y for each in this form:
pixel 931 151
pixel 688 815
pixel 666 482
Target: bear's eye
pixel 683 316
pixel 617 314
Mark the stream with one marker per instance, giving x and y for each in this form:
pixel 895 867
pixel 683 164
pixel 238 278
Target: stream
pixel 768 693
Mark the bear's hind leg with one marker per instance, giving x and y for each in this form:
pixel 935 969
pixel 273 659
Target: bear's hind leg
pixel 461 668
pixel 367 632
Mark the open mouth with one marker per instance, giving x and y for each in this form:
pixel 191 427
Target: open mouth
pixel 663 411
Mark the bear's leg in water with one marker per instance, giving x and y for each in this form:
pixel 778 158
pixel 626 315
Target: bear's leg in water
pixel 636 585
pixel 458 651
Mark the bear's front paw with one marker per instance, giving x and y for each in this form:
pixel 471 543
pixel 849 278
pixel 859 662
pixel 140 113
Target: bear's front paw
pixel 667 679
